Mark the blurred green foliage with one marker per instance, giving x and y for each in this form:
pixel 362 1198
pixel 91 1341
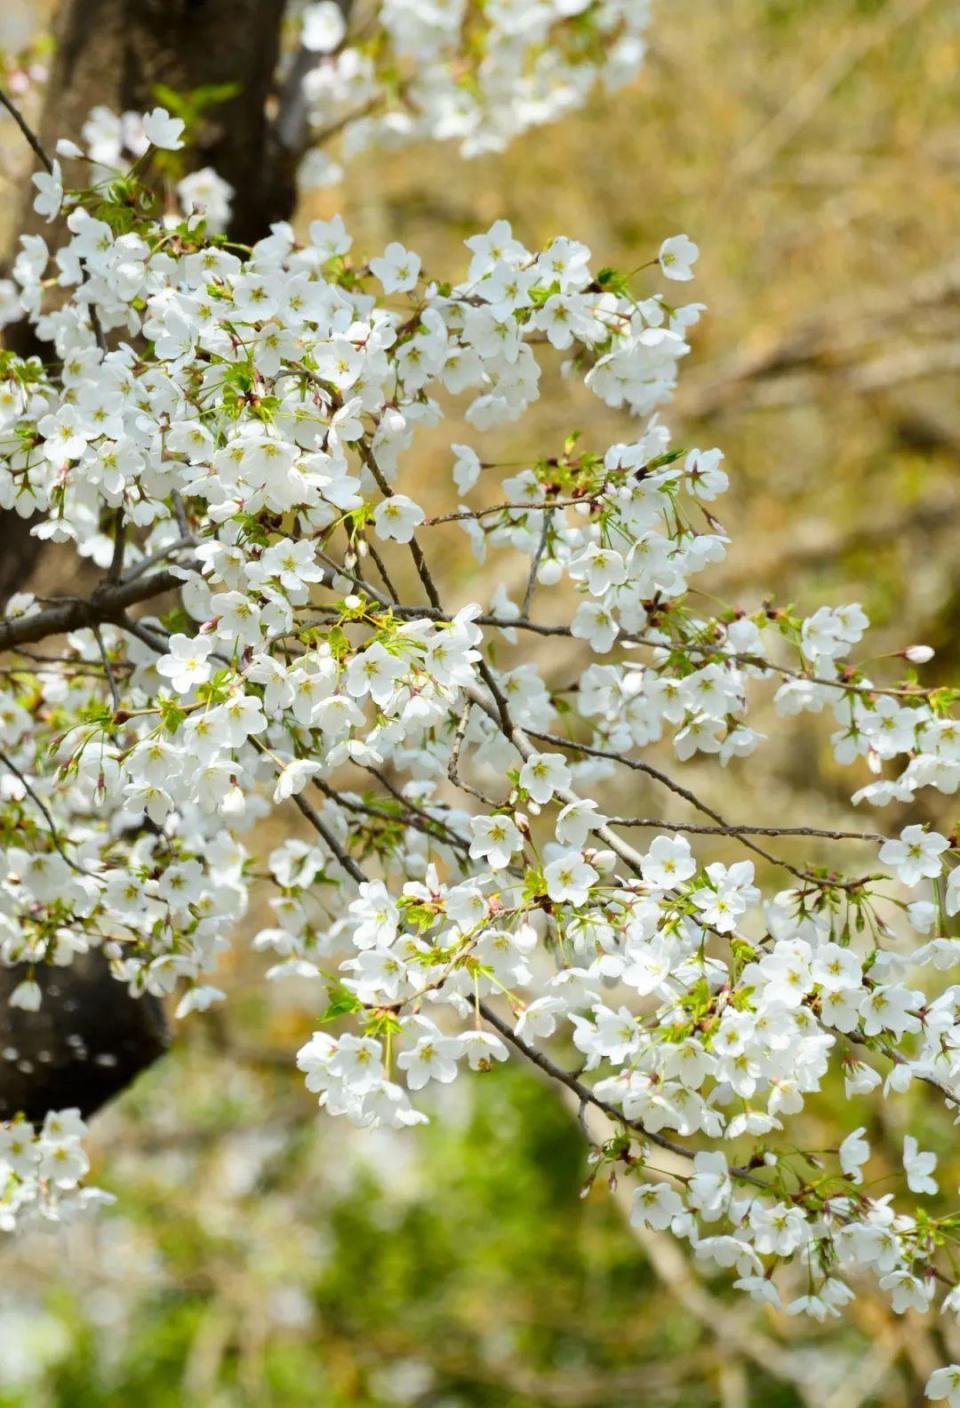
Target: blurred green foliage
pixel 469 1272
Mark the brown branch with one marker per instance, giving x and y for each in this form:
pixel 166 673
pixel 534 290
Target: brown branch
pixel 32 139
pixel 734 830
pixel 107 603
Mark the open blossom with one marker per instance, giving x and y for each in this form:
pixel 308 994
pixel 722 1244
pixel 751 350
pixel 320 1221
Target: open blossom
pixel 434 1057
pixel 397 517
pixel 187 663
pixel 945 1384
pixel 324 27
pixel 916 855
pixel 495 838
pixel 668 862
pixel 919 1167
pixel 569 878
pixel 854 1152
pixel 601 568
pixel 678 254
pixel 466 467
pixel 655 1205
pixel 294 778
pixel 831 631
pixel 162 130
pixel 576 820
pixel 710 1185
pixel 729 895
pixel 49 196
pixel 376 914
pixel 543 774
pixel 205 193
pixel 398 269
pixel 375 672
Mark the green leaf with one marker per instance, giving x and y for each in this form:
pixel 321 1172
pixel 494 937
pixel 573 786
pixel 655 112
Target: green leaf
pixel 342 1002
pixel 191 105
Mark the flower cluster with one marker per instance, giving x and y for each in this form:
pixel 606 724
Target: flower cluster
pixel 226 436
pixel 40 1171
pixel 476 75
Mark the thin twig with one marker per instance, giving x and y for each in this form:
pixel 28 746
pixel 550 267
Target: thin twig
pixel 382 569
pixel 585 1094
pixel 180 512
pixel 31 137
pixel 108 668
pixel 323 831
pixel 416 552
pixel 732 829
pixel 534 568
pixel 638 766
pixel 38 801
pixel 138 569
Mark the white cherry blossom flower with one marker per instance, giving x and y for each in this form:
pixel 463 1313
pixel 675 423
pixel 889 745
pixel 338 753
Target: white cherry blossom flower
pixel 944 1384
pixel 677 256
pixel 397 517
pixel 187 662
pixel 398 269
pixel 162 130
pixel 919 1167
pixel 495 838
pixel 917 854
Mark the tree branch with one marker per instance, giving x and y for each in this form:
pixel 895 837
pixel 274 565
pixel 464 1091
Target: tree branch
pixel 107 603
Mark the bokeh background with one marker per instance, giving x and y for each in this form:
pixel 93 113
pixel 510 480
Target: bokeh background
pixel 262 1254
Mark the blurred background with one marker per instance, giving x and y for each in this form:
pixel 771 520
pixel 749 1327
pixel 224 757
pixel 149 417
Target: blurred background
pixel 260 1253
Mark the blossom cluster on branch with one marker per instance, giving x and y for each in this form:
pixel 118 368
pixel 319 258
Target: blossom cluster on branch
pixel 42 1171
pixel 399 72
pixel 226 434
pixel 475 74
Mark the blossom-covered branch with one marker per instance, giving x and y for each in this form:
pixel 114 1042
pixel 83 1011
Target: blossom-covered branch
pixel 233 452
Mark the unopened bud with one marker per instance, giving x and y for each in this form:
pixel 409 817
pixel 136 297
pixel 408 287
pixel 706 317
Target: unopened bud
pixel 919 654
pixel 604 861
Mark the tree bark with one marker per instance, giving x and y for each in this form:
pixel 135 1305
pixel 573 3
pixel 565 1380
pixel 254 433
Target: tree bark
pixel 90 1037
pixel 88 1041
pixel 113 52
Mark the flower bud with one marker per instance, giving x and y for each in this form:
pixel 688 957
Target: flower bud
pixel 604 861
pixel 919 654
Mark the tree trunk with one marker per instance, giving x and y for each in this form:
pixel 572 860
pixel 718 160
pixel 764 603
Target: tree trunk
pixel 90 1038
pixel 113 52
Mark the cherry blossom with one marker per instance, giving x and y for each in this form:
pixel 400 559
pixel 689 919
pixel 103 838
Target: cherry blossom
pixel 492 846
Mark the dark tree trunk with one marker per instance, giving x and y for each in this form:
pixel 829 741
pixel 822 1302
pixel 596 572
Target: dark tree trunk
pixel 18 553
pixel 90 1038
pixel 113 52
